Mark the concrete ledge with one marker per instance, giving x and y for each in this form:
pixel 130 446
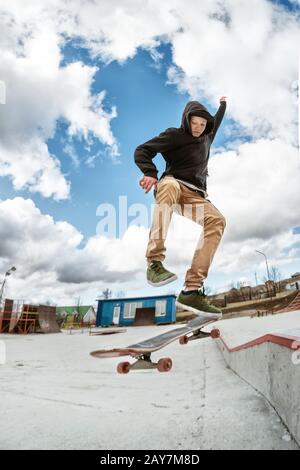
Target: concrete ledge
pixel 269 362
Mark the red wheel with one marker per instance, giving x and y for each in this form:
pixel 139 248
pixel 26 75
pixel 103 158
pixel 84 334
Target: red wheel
pixel 215 333
pixel 164 364
pixel 184 339
pixel 123 367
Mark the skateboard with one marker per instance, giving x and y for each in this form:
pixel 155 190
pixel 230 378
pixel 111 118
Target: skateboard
pixel 107 331
pixel 142 351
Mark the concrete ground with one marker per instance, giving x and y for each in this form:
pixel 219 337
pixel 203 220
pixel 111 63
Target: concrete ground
pixel 53 395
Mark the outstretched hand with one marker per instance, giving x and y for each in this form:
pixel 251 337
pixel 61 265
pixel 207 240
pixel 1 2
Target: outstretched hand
pixel 147 182
pixel 223 98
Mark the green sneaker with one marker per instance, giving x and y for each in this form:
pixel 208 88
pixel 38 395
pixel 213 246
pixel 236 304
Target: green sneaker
pixel 157 275
pixel 196 302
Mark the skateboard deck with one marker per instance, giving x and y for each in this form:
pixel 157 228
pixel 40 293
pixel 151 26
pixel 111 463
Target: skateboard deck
pixel 107 331
pixel 142 351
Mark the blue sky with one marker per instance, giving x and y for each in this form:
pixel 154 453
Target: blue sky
pixel 146 105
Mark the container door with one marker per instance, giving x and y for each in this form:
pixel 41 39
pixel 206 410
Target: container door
pixel 116 317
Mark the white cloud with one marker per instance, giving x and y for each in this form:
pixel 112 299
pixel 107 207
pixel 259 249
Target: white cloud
pixel 39 92
pixel 282 251
pixel 213 54
pixel 35 241
pixel 255 187
pixel 114 30
pixel 254 184
pixel 44 249
pixel 71 152
pixel 30 165
pixel 257 72
pixel 52 265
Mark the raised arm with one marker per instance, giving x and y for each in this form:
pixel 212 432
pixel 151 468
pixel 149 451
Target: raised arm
pixel 218 117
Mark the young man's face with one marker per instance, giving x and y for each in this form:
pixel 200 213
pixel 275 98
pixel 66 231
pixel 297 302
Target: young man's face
pixel 198 125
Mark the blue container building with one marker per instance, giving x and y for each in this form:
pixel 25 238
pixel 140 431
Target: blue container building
pixel 123 312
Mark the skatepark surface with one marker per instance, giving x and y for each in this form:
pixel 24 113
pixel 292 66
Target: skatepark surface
pixel 54 395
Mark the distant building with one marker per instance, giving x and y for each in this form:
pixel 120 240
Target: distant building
pixel 136 310
pixel 296 275
pixel 259 289
pixel 293 285
pixel 234 292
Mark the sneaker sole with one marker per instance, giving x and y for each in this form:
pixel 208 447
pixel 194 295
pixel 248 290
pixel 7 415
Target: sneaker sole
pixel 163 283
pixel 200 313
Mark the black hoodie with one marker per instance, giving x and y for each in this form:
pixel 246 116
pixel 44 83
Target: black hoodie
pixel 186 156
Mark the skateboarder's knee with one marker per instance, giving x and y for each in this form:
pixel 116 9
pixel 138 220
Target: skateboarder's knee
pixel 216 220
pixel 222 221
pixel 168 191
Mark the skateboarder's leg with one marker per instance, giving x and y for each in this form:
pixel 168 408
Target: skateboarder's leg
pixel 201 211
pixel 167 197
pixel 167 200
pixel 213 227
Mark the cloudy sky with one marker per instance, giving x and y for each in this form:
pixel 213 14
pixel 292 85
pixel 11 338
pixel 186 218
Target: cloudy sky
pixel 82 83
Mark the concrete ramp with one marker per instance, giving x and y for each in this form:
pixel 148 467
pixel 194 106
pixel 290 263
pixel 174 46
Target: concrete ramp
pixel 266 353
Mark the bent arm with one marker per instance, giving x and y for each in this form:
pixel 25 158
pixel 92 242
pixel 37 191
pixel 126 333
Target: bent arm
pixel 145 153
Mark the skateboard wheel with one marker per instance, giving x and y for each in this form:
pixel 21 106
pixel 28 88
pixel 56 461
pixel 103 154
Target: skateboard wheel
pixel 123 367
pixel 184 339
pixel 215 333
pixel 164 364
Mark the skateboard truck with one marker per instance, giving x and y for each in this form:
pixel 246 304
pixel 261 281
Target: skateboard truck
pixel 144 362
pixel 197 334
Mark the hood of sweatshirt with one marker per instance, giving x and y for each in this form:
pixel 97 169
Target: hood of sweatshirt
pixel 194 108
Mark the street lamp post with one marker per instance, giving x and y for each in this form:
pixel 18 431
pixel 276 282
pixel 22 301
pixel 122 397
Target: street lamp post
pixel 268 273
pixel 8 273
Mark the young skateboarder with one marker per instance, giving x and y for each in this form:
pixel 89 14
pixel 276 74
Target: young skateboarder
pixel 182 188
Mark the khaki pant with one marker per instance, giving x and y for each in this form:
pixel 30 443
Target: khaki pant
pixel 172 196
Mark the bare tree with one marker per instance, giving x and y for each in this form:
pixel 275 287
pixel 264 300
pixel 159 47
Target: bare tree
pixel 49 302
pixel 106 294
pixel 207 290
pixel 275 276
pixel 78 303
pixel 120 294
pixel 76 311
